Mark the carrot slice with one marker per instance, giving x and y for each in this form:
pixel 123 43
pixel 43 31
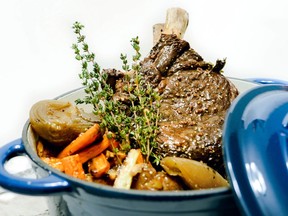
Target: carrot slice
pixel 94 150
pixel 73 167
pixel 54 162
pixel 99 166
pixel 82 141
pixel 140 159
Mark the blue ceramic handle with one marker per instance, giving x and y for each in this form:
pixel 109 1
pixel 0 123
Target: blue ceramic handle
pixel 268 81
pixel 51 184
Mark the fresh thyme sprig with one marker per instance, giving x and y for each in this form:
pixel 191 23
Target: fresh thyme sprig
pixel 136 124
pixel 92 77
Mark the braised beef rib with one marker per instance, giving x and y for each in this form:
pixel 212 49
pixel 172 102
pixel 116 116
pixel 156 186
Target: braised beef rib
pixel 195 97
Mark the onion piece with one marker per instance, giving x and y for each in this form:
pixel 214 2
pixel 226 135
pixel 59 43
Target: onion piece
pixel 59 122
pixel 196 175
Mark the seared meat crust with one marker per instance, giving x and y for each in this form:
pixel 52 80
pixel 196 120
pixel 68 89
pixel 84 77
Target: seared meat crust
pixel 195 97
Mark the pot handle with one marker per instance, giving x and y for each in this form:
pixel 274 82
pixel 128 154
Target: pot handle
pixel 268 81
pixel 51 184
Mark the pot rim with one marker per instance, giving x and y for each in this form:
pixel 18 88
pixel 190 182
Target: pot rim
pixel 109 191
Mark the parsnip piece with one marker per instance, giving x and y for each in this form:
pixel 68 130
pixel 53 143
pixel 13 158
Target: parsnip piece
pixel 125 176
pixel 195 174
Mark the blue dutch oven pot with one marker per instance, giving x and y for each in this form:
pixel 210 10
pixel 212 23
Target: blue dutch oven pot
pixel 258 182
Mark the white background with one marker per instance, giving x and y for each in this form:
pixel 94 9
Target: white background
pixel 37 62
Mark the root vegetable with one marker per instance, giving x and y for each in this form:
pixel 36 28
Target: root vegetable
pixel 99 166
pixel 94 150
pixel 125 176
pixel 73 167
pixel 82 141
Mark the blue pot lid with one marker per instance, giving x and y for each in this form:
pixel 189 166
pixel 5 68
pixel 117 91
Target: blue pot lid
pixel 255 145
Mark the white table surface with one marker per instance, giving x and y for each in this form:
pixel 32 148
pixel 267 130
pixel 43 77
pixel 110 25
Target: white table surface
pixel 37 62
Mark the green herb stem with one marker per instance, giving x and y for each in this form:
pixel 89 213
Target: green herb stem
pixel 136 130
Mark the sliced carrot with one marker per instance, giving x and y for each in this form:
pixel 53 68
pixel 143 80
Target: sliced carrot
pixel 99 166
pixel 82 141
pixel 94 150
pixel 140 159
pixel 54 162
pixel 73 167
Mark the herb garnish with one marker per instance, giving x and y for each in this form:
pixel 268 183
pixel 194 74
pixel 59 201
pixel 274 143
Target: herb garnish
pixel 135 124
